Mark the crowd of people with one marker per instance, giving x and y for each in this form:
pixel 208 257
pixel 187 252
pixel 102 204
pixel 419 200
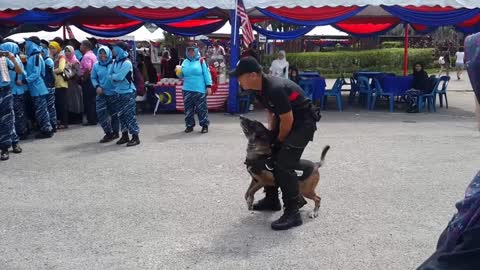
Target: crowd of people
pixel 60 81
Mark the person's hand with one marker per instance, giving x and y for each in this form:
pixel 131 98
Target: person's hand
pixel 209 91
pixel 11 57
pixel 19 82
pixel 276 146
pixel 99 91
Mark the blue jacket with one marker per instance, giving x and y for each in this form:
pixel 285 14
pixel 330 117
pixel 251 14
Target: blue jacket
pixel 122 72
pixel 46 57
pixel 49 64
pixel 35 70
pixel 196 76
pixel 79 55
pixel 14 76
pixel 101 71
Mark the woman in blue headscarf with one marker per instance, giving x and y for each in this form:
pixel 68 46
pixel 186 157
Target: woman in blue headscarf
pixel 106 97
pixel 18 91
pixel 35 70
pixel 197 83
pixel 121 75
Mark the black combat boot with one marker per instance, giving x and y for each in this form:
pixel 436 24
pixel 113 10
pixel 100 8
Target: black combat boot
pixel 44 135
pixel 270 202
pixel 16 148
pixel 108 138
pixel 134 141
pixel 124 139
pixel 290 218
pixel 4 154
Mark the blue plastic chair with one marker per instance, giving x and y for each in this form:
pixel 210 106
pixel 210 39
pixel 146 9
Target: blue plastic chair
pixel 442 90
pixel 353 90
pixel 364 88
pixel 336 92
pixel 307 85
pixel 380 93
pixel 429 99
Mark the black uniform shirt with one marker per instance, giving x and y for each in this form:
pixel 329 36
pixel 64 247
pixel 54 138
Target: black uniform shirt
pixel 280 95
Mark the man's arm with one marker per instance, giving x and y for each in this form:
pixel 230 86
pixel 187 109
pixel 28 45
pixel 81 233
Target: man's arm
pixel 286 123
pixel 284 110
pixel 271 121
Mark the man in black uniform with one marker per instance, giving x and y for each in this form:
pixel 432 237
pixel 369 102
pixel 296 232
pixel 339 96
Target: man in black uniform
pixel 293 119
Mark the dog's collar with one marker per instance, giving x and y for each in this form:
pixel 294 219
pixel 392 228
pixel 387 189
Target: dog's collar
pixel 261 163
pixel 260 158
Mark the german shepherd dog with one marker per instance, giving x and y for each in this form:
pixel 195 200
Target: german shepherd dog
pixel 258 163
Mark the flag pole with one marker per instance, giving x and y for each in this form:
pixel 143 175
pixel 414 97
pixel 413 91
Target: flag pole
pixel 236 23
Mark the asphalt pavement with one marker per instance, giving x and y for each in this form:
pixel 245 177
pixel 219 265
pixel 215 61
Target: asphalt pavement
pixel 388 188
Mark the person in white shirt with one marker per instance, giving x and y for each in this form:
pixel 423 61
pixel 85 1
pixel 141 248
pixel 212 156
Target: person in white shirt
pixel 279 67
pixel 218 50
pixel 459 62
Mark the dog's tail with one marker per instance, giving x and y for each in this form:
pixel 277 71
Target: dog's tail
pixel 322 157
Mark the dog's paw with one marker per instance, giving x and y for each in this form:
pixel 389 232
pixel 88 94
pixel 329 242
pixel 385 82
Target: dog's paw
pixel 314 214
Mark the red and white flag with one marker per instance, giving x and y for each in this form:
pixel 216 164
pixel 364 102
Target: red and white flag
pixel 247 31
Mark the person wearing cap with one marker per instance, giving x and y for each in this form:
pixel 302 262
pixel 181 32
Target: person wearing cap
pixel 61 85
pixel 38 90
pixel 8 136
pixel 292 118
pixel 197 84
pixel 121 75
pixel 106 97
pixel 49 78
pixel 89 93
pixel 18 89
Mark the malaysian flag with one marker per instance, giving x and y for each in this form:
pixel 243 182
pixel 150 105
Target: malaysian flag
pixel 247 31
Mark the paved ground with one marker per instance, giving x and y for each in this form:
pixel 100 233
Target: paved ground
pixel 175 202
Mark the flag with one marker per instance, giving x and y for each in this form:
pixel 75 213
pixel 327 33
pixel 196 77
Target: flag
pixel 70 32
pixel 247 31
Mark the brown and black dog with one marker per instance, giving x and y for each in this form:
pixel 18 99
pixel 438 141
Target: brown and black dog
pixel 258 165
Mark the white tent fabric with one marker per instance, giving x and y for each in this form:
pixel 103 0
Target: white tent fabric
pixel 224 4
pixel 141 34
pixel 56 4
pixel 334 3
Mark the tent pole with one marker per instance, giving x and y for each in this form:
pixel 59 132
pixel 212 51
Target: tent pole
pixel 64 32
pixel 232 105
pixel 405 51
